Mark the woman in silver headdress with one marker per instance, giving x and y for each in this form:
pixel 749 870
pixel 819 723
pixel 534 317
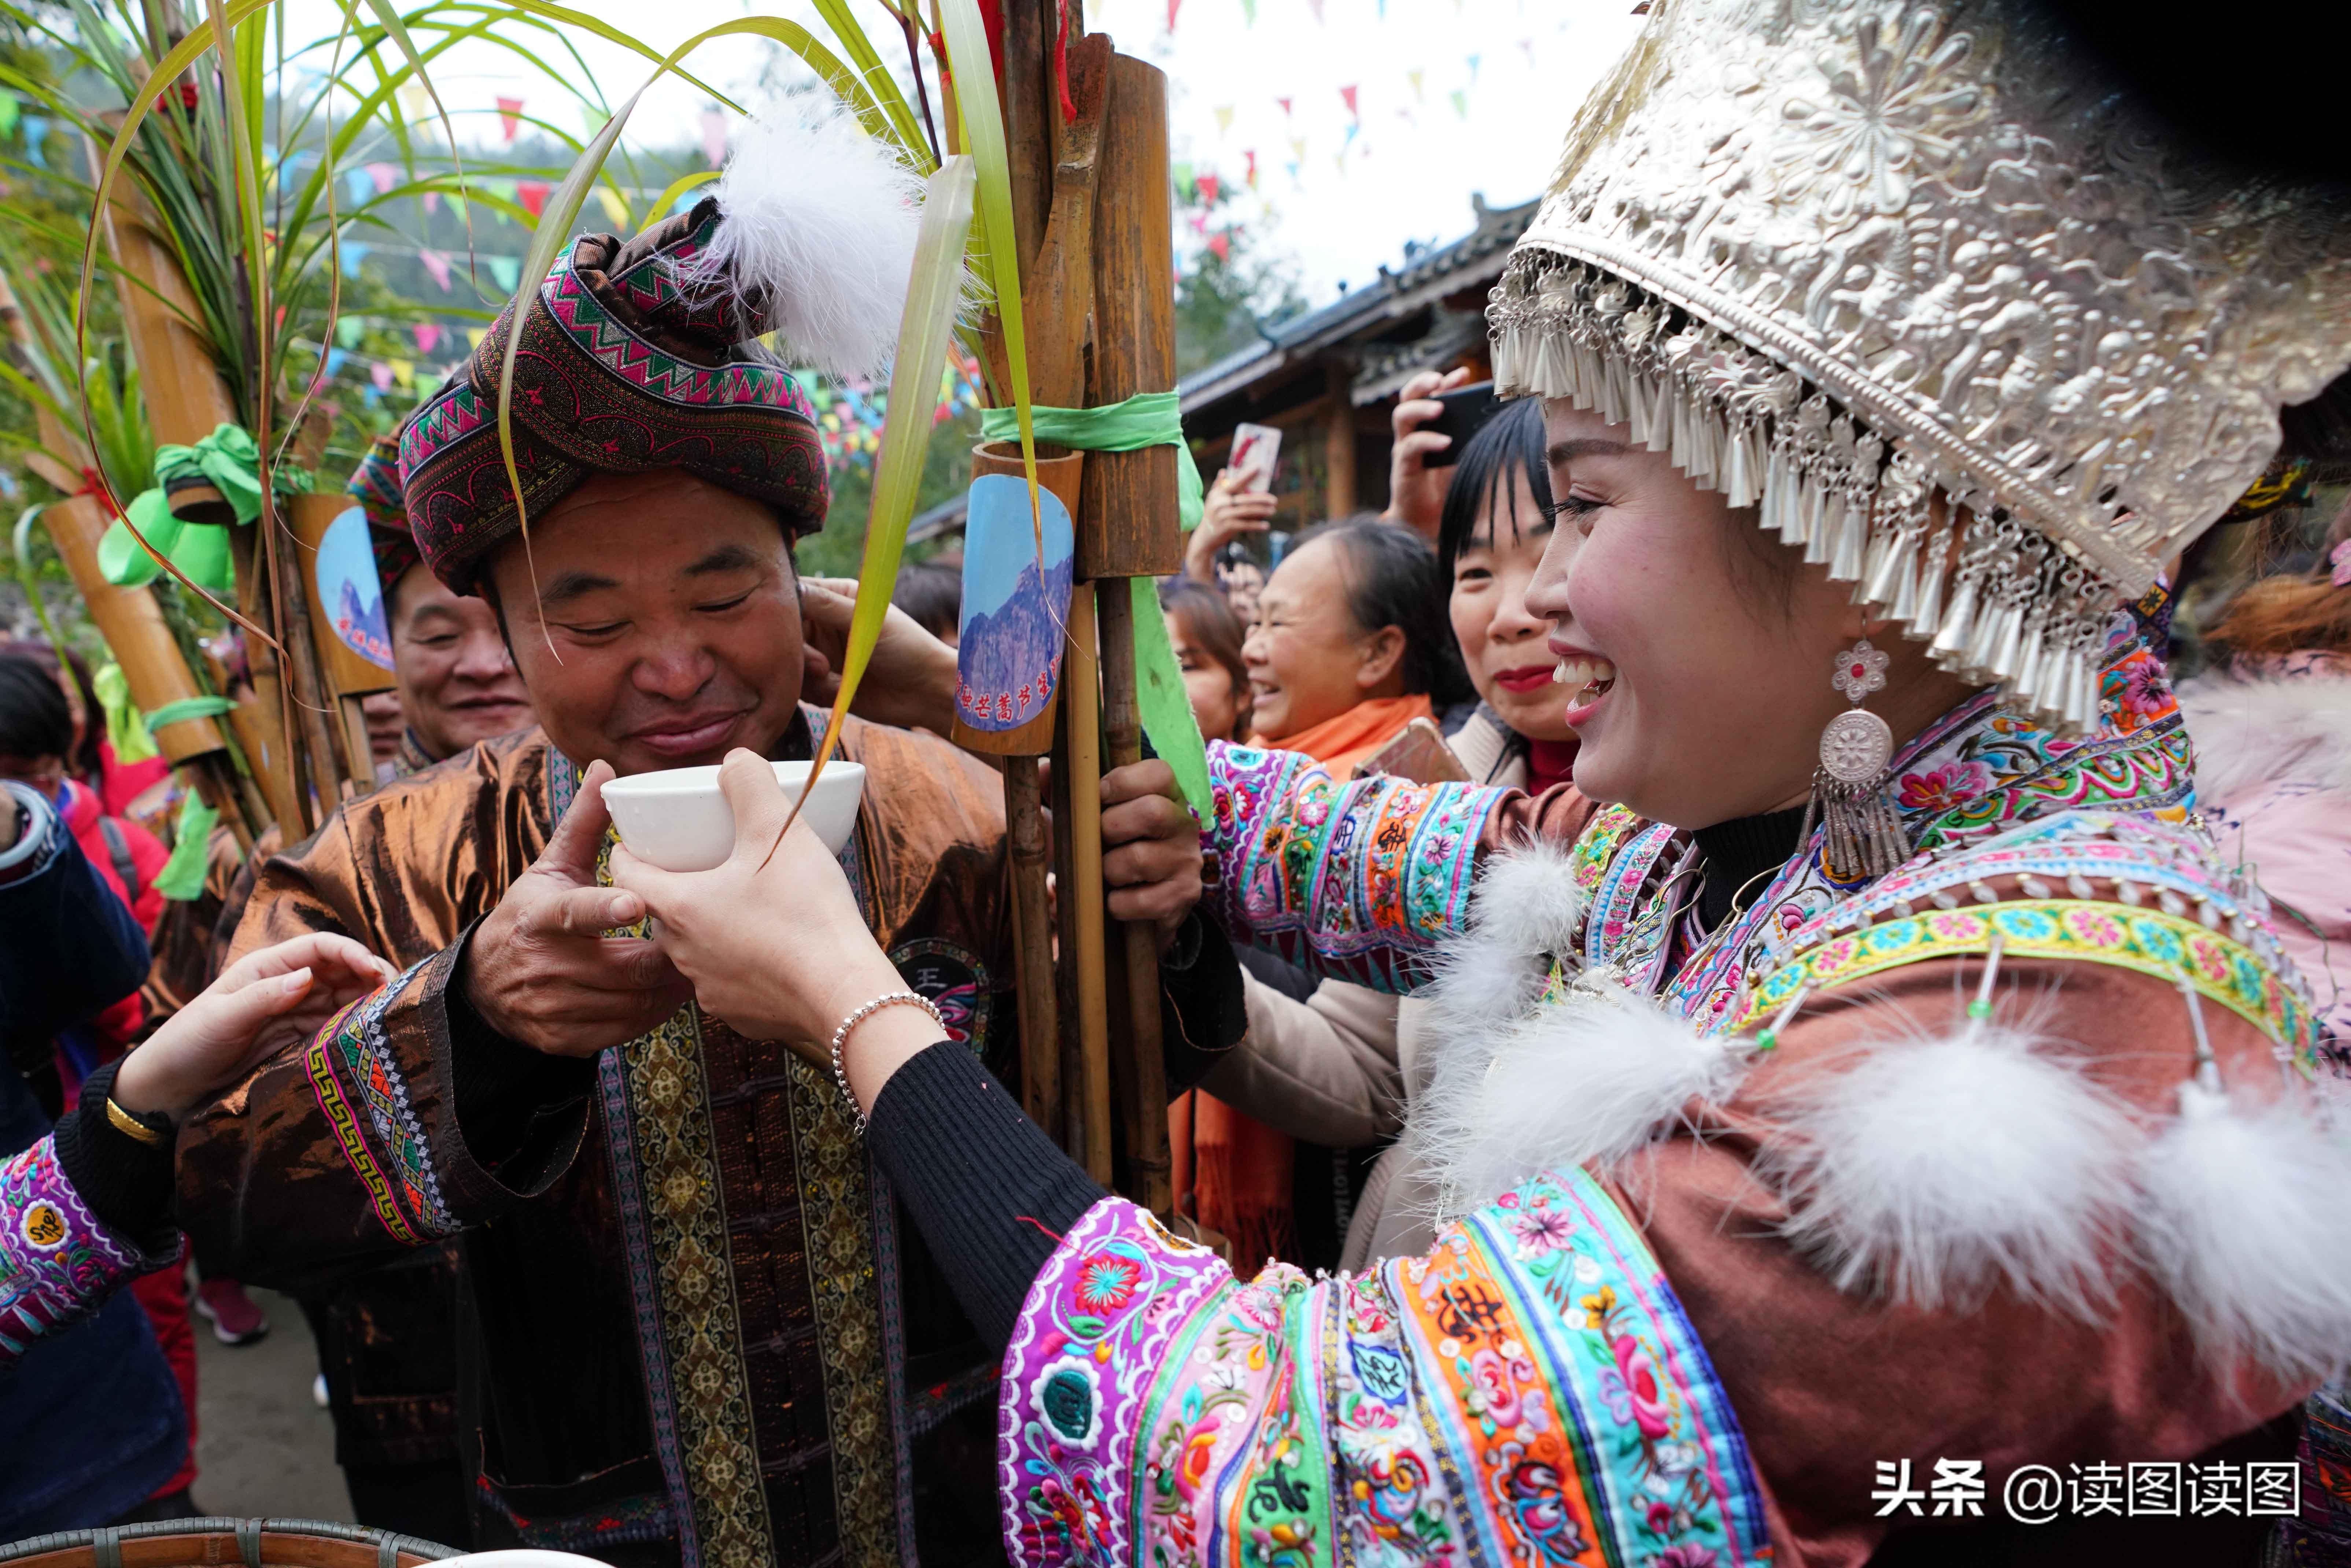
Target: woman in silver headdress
pixel 1864 1084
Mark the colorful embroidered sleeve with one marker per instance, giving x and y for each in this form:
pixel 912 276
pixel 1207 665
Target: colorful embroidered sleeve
pixel 1529 1392
pixel 1356 880
pixel 59 1262
pixel 357 1133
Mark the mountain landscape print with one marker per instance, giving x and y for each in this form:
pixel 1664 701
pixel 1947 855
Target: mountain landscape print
pixel 1009 661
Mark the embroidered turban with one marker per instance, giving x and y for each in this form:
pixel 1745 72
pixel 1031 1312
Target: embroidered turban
pixel 375 486
pixel 626 365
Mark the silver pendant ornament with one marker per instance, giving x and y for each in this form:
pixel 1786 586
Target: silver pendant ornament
pixel 1864 832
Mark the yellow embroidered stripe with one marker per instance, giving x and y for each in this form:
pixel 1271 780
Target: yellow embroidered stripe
pixel 2168 946
pixel 346 1124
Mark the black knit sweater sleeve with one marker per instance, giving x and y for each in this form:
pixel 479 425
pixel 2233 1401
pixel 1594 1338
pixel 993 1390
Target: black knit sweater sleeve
pixel 991 1193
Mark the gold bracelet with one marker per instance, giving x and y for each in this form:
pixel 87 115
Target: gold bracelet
pixel 130 1123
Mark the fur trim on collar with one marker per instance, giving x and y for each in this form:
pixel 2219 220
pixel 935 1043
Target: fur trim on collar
pixel 2265 731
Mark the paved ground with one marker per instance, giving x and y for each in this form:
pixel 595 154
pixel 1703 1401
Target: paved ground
pixel 263 1446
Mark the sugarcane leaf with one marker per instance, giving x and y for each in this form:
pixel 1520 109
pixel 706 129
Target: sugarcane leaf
pixel 934 297
pixel 973 66
pixel 885 89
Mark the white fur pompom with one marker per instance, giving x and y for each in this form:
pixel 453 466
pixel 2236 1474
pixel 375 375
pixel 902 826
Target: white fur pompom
pixel 1527 899
pixel 821 218
pixel 2246 1224
pixel 1585 1080
pixel 1935 1168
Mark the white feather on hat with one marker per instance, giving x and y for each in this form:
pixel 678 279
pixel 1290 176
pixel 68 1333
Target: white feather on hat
pixel 815 240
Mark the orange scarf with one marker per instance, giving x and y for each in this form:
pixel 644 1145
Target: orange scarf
pixel 1342 744
pixel 1236 1170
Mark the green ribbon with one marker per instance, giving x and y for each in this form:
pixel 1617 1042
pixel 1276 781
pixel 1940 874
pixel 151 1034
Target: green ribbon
pixel 1146 419
pixel 182 876
pixel 230 462
pixel 124 728
pixel 187 708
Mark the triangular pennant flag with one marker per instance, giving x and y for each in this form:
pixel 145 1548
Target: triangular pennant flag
pixel 438 265
pixel 1249 13
pixel 1298 148
pixel 428 337
pixel 1461 103
pixel 1414 77
pixel 533 194
pixel 1349 94
pixel 360 186
pixel 615 209
pixel 354 253
pixel 1209 186
pixel 1224 112
pixel 349 329
pixel 10 107
pixel 474 336
pixel 432 203
pixel 384 177
pixel 1182 174
pixel 1222 243
pixel 505 271
pixel 1172 6
pixel 713 135
pixel 1473 60
pixel 1528 45
pixel 36 131
pixel 405 372
pixel 415 102
pixel 1285 107
pixel 1250 153
pixel 1315 6
pixel 335 358
pixel 510 116
pixel 380 374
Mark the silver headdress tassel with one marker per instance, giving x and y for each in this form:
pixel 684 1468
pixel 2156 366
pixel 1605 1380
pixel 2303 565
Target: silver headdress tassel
pixel 1843 258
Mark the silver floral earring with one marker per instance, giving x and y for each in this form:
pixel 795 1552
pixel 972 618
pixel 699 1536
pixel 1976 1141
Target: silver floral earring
pixel 1849 798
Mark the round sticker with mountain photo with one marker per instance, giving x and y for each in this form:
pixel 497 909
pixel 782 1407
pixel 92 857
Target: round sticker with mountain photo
pixel 347 587
pixel 1015 605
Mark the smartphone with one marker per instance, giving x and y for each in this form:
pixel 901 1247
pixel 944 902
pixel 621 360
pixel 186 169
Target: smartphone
pixel 1256 449
pixel 1467 410
pixel 1419 753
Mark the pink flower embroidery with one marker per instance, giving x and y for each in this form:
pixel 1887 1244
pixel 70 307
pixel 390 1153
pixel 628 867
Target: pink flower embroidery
pixel 1688 1555
pixel 1491 1374
pixel 1945 789
pixel 1540 1232
pixel 1631 1391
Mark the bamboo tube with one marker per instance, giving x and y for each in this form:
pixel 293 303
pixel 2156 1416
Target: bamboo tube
pixel 1082 688
pixel 253 722
pixel 1032 942
pixel 132 625
pixel 259 720
pixel 1071 1128
pixel 186 398
pixel 1142 1086
pixel 316 718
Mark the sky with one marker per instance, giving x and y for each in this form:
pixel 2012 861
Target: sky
pixel 1451 97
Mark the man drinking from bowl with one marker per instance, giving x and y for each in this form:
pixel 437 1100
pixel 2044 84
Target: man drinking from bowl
pixel 699 1331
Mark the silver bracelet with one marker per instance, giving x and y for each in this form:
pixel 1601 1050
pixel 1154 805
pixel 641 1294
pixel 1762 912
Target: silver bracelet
pixel 840 1038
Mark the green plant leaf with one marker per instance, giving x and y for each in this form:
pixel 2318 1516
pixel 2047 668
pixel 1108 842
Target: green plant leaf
pixel 934 295
pixel 973 66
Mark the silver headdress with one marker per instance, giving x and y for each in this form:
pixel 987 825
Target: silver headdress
pixel 1834 256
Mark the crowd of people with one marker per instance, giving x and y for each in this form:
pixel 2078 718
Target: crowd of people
pixel 1722 1008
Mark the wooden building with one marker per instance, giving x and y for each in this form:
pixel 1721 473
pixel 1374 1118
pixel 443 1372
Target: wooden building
pixel 1328 379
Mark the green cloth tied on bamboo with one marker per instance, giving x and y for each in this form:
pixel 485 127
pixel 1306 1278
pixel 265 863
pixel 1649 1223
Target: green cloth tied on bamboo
pixel 182 876
pixel 230 462
pixel 1146 419
pixel 124 728
pixel 227 460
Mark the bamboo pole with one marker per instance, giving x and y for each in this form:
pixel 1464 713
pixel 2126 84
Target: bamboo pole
pixel 1082 688
pixel 1142 1086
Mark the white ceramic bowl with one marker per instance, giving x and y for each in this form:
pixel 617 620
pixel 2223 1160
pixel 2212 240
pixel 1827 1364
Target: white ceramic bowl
pixel 678 820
